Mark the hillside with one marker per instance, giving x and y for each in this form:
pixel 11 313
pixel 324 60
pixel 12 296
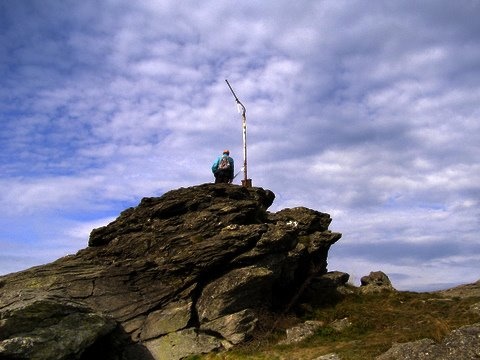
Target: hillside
pixel 386 325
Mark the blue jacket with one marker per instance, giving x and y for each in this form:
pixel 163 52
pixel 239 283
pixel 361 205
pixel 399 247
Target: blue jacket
pixel 217 163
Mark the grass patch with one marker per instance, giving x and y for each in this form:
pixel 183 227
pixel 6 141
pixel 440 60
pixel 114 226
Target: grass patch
pixel 377 321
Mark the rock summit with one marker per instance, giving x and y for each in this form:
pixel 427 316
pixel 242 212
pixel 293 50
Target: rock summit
pixel 185 273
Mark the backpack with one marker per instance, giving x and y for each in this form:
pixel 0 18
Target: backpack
pixel 224 164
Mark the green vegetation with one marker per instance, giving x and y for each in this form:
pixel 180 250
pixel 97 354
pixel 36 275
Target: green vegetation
pixel 378 320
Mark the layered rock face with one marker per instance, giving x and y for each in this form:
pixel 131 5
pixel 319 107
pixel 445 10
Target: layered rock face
pixel 185 273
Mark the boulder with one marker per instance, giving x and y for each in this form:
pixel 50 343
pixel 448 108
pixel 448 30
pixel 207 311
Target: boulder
pixel 376 281
pixel 301 332
pixel 180 344
pixel 177 275
pixel 305 330
pixel 49 328
pixel 340 325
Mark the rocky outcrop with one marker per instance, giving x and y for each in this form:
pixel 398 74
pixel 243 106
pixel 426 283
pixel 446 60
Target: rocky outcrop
pixel 185 273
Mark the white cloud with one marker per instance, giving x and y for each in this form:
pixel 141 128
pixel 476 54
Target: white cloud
pixel 367 112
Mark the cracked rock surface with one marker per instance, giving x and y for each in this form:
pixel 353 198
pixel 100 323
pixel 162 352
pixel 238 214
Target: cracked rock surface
pixel 181 274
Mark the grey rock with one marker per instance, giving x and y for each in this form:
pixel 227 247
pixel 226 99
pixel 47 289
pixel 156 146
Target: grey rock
pixel 301 332
pixel 328 357
pixel 181 344
pixel 420 349
pixel 376 281
pixel 174 316
pixel 62 330
pixel 463 343
pixel 475 308
pixel 341 324
pixel 235 328
pixel 237 290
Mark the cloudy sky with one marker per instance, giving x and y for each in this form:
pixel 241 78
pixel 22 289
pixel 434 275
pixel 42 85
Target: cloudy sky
pixel 366 110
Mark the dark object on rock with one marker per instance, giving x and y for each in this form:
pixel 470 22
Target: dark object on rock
pixel 185 273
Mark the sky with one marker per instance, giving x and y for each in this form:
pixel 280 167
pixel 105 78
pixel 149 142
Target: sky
pixel 366 110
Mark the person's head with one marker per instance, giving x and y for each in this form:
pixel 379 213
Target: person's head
pixel 226 152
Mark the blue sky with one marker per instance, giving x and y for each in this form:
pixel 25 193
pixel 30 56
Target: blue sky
pixel 368 111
